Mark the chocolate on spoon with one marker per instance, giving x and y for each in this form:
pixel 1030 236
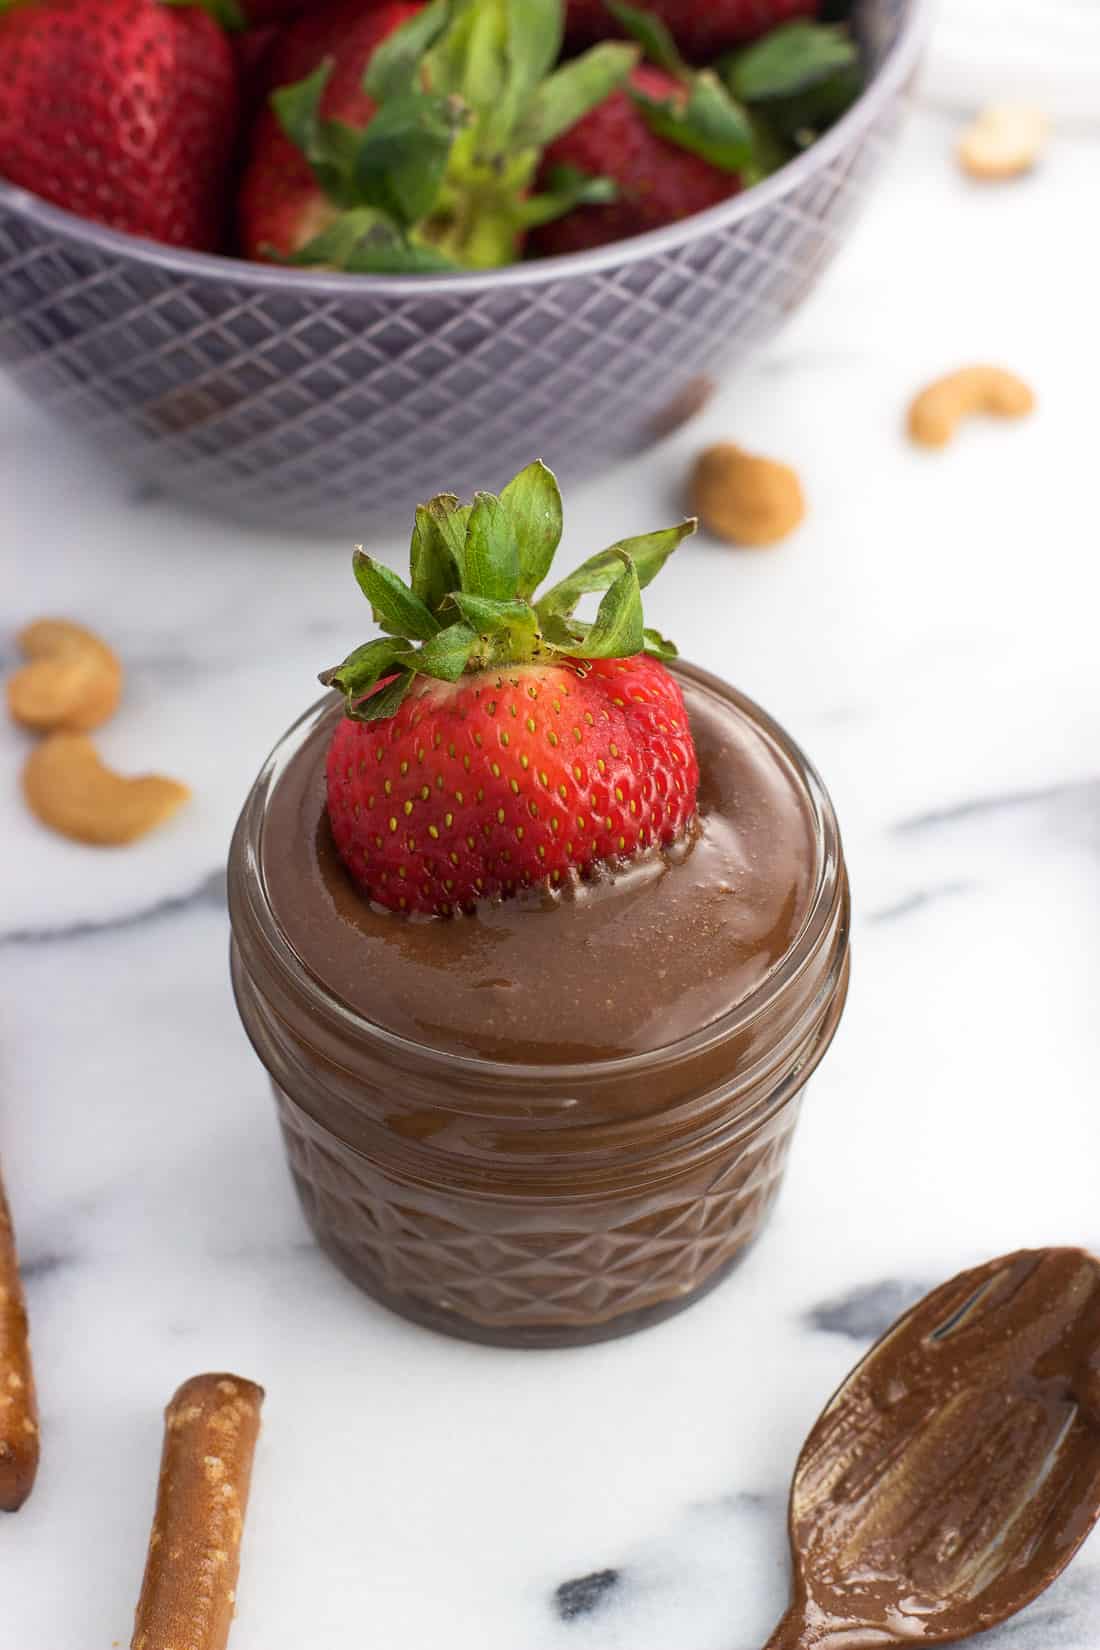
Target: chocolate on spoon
pixel 957 1470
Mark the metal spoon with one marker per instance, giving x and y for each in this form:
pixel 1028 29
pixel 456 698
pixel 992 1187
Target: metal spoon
pixel 957 1470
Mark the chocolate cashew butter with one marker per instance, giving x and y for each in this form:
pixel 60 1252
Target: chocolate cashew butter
pixel 564 1114
pixel 957 1471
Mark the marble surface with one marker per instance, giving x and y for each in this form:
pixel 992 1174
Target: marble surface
pixel 930 636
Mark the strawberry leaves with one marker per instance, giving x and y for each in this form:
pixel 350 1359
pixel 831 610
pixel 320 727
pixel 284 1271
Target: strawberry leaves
pixel 469 605
pixel 386 702
pixel 442 175
pixel 534 32
pixel 394 68
pixel 568 188
pixel 399 164
pixel 648 553
pixel 532 502
pixel 383 180
pixel 760 104
pixel 445 656
pixel 797 80
pixel 791 60
pixel 438 538
pixel 328 145
pixel 364 241
pixel 489 563
pixel 704 120
pixel 573 90
pixel 511 626
pixel 362 669
pixel 394 607
pixel 653 35
pixel 658 646
pixel 701 115
pixel 617 631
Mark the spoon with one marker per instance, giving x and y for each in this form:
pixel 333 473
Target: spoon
pixel 956 1472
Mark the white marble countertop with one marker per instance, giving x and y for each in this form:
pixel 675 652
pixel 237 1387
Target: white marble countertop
pixel 930 636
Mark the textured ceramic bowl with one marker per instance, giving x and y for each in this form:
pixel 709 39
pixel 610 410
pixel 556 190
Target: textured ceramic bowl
pixel 325 401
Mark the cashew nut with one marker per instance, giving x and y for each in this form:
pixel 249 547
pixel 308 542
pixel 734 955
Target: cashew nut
pixel 935 412
pixel 1004 141
pixel 746 499
pixel 71 791
pixel 73 680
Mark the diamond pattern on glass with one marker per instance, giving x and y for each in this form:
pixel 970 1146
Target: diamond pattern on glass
pixel 608 1257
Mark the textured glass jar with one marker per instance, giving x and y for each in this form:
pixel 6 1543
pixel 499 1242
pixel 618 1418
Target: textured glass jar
pixel 538 1205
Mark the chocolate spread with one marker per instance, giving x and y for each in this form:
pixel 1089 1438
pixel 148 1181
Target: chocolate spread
pixel 958 1469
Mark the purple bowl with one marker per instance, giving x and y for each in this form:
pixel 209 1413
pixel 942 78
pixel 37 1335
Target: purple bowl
pixel 310 400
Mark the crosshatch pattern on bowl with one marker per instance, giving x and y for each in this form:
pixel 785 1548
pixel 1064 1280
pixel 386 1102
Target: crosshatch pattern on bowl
pixel 313 400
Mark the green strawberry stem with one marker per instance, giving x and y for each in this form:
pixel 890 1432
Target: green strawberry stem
pixel 470 603
pixel 468 98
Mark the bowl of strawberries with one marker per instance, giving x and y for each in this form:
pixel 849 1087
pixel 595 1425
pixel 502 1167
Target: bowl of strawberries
pixel 303 263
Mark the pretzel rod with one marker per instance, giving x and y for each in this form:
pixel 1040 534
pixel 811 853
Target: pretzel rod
pixel 18 1408
pixel 189 1591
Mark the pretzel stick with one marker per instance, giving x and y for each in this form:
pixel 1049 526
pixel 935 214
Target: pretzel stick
pixel 189 1591
pixel 18 1409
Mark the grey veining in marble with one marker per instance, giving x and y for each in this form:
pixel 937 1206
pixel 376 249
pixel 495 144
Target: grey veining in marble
pixel 867 1312
pixel 585 1595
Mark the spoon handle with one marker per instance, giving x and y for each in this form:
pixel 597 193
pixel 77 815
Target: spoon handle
pixel 790 1633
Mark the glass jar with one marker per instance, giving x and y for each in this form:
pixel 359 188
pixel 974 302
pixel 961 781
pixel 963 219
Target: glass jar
pixel 528 1205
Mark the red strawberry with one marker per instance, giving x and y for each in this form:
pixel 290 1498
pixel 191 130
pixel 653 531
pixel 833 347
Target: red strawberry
pixel 516 745
pixel 124 111
pixel 657 181
pixel 701 28
pixel 282 206
pixel 511 777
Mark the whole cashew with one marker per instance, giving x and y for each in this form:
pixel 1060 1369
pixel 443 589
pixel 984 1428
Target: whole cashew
pixel 935 413
pixel 73 680
pixel 746 499
pixel 1004 141
pixel 70 790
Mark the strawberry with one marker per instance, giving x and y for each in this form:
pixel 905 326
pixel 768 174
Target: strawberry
pixel 657 181
pixel 672 142
pixel 701 28
pixel 282 206
pixel 418 131
pixel 124 111
pixel 492 741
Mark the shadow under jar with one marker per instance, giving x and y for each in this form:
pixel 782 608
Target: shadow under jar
pixel 566 1116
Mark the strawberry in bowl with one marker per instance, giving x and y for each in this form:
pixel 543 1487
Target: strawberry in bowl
pixel 539 932
pixel 123 111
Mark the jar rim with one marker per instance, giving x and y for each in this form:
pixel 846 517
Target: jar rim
pixel 817 926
